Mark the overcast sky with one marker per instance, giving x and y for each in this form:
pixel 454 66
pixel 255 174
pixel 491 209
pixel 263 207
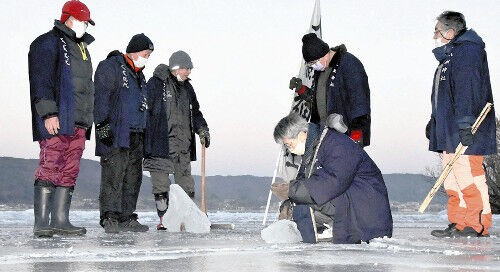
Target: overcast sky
pixel 244 53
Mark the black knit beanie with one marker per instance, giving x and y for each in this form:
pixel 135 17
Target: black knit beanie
pixel 138 43
pixel 313 48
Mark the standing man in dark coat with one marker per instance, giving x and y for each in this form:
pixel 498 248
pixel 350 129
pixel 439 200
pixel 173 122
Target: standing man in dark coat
pixel 61 88
pixel 174 117
pixel 340 86
pixel 120 116
pixel 337 178
pixel 461 89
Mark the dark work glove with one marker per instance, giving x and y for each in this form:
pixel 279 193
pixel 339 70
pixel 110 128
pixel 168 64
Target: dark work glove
pixel 466 136
pixel 295 83
pixel 204 137
pixel 104 133
pixel 359 127
pixel 306 94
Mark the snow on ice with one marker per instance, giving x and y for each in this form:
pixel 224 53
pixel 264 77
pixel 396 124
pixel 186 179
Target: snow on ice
pixel 411 248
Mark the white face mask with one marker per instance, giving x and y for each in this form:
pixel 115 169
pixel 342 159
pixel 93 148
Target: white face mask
pixel 179 78
pixel 299 149
pixel 438 42
pixel 79 28
pixel 140 62
pixel 318 66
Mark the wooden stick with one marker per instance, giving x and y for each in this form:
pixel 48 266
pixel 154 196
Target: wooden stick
pixel 449 166
pixel 203 203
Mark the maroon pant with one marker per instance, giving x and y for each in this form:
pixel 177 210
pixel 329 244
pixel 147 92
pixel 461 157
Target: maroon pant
pixel 60 158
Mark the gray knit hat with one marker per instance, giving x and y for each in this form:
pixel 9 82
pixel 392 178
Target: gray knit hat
pixel 180 59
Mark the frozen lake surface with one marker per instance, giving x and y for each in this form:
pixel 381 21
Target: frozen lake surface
pixel 412 248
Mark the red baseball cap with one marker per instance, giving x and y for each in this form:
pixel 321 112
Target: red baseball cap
pixel 76 9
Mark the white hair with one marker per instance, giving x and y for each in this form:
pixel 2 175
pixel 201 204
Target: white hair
pixel 290 127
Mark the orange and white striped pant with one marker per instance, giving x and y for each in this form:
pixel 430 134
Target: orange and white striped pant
pixel 468 205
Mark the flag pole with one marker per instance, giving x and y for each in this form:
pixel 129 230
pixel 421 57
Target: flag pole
pixel 307 77
pixel 272 182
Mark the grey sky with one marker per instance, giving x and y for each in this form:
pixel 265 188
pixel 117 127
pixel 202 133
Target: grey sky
pixel 244 53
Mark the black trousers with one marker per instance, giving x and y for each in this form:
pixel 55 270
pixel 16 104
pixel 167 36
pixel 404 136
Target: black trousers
pixel 121 179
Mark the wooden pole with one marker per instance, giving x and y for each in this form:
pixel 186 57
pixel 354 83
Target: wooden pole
pixel 449 166
pixel 203 203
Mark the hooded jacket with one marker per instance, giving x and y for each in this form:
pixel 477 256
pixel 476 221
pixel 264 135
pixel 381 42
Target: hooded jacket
pixel 460 91
pixel 157 129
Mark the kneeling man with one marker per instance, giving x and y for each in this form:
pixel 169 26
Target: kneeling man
pixel 337 179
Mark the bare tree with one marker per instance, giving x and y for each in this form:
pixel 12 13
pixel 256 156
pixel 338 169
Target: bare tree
pixel 433 172
pixel 492 168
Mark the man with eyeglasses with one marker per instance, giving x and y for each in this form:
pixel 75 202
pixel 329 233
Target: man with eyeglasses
pixel 460 91
pixel 340 86
pixel 62 91
pixel 174 117
pixel 337 180
pixel 120 117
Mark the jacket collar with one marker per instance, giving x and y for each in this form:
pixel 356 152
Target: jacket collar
pixel 162 72
pixel 131 64
pixel 465 36
pixel 68 32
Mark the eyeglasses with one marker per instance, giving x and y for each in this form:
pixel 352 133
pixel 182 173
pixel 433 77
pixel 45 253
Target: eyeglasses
pixel 440 31
pixel 290 143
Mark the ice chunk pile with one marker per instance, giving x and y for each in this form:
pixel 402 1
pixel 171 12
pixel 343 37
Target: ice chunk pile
pixel 183 214
pixel 282 231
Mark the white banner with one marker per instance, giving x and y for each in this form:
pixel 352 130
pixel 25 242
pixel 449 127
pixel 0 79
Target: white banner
pixel 306 73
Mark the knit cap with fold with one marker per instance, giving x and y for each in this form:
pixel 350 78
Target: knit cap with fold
pixel 180 59
pixel 313 48
pixel 138 43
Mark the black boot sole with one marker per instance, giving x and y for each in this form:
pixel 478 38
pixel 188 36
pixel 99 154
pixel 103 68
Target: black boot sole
pixel 65 232
pixel 43 233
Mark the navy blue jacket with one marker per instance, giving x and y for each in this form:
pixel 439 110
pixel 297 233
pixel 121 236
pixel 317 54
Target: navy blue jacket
pixel 347 177
pixel 119 93
pixel 156 139
pixel 348 93
pixel 51 81
pixel 464 88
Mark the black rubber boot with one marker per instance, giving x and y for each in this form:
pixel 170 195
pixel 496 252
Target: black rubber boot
pixel 60 213
pixel 42 200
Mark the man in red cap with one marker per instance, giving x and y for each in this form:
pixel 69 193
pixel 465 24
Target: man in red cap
pixel 62 104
